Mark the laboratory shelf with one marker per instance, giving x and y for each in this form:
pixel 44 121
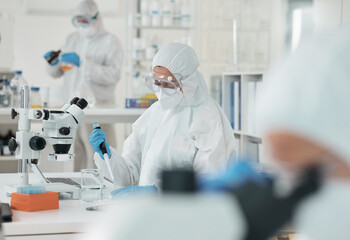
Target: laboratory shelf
pixel 7 158
pixel 252 135
pixel 163 28
pixel 103 115
pixel 241 73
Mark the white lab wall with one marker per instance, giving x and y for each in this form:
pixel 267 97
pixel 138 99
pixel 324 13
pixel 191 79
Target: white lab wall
pixel 327 14
pixel 6 34
pixel 346 12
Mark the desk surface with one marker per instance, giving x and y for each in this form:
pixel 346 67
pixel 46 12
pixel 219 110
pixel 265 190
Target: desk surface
pixel 70 218
pixel 106 115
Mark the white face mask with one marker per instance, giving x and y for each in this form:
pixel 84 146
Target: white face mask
pixel 167 101
pixel 87 32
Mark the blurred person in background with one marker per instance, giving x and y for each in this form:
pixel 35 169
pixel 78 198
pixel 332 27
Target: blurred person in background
pixel 90 61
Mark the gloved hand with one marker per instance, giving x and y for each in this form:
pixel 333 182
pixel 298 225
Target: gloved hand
pixel 265 212
pixel 134 190
pixel 96 138
pixel 71 57
pixel 48 57
pixel 239 174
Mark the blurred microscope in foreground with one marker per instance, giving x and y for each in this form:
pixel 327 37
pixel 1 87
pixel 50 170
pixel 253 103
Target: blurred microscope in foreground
pixel 59 130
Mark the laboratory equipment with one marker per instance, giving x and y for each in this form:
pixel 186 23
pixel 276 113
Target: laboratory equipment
pixel 34 201
pixel 5 95
pixel 35 98
pixel 5 214
pixel 105 155
pixel 59 130
pixel 16 83
pixel 91 188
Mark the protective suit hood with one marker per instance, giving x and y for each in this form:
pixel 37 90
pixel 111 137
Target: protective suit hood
pixel 181 59
pixel 90 8
pixel 309 94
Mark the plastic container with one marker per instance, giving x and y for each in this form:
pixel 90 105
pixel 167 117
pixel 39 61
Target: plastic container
pixel 16 83
pixel 155 13
pixel 35 98
pixel 5 95
pixel 34 202
pixel 167 16
pixel 185 15
pixel 139 102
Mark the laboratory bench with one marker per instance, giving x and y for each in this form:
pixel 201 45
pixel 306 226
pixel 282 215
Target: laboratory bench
pixel 101 115
pixel 68 222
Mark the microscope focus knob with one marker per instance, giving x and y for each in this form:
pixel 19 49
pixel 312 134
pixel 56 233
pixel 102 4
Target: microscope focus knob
pixel 12 144
pixel 64 131
pixel 37 143
pixel 13 113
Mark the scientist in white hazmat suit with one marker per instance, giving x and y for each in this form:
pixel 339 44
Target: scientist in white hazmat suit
pixel 185 128
pixel 90 61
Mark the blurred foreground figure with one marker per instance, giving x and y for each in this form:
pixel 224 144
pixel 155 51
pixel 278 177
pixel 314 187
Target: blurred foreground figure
pixel 305 115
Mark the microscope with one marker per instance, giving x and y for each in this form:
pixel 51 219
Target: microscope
pixel 59 130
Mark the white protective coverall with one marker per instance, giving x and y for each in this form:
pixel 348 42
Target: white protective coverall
pixel 101 59
pixel 309 96
pixel 189 130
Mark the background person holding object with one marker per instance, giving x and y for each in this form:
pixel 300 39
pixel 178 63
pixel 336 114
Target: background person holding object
pixel 184 129
pixel 89 56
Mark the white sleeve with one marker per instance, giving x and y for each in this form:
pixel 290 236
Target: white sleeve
pixel 126 169
pixel 213 146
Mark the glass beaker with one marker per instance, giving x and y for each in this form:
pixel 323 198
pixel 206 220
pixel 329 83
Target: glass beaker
pixel 91 188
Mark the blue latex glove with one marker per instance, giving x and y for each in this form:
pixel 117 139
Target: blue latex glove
pixel 96 138
pixel 71 57
pixel 134 190
pixel 240 173
pixel 47 55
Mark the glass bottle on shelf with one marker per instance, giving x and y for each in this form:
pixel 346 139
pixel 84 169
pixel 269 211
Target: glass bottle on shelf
pixel 155 13
pixel 16 83
pixel 167 15
pixel 5 94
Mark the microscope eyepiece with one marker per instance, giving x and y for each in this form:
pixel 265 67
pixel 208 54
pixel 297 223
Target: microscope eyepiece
pixel 82 103
pixel 74 100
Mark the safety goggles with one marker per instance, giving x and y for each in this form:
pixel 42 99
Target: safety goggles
pixel 170 86
pixel 83 20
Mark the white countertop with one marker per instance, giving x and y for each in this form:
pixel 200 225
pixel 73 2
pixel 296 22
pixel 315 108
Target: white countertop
pixel 71 217
pixel 105 115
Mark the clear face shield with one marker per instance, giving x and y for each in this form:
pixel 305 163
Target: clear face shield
pixel 84 21
pixel 156 81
